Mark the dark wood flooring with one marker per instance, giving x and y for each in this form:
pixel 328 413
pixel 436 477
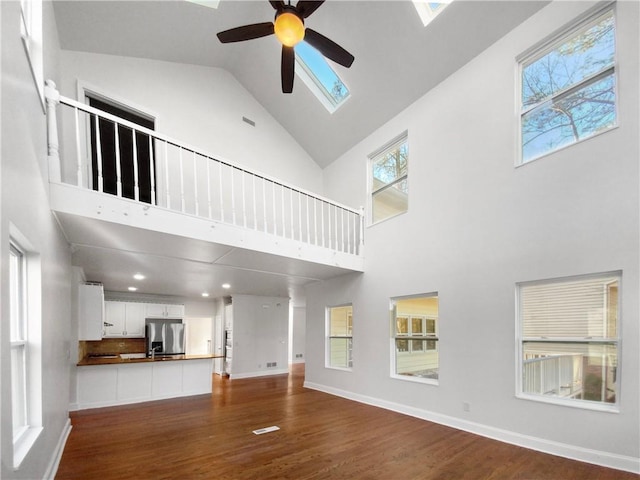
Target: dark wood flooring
pixel 321 436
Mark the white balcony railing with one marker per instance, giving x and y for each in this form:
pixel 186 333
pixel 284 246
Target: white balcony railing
pixel 158 170
pixel 556 375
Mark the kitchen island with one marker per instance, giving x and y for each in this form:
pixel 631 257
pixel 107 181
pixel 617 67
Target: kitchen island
pixel 104 381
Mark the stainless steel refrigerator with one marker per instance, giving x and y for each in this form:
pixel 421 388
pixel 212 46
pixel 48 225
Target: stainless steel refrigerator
pixel 165 336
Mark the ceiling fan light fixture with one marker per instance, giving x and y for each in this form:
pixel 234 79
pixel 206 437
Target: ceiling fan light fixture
pixel 289 29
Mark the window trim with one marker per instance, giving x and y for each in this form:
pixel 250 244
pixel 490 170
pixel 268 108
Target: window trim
pixel 329 337
pixel 394 314
pixel 542 48
pixel 520 340
pixel 395 142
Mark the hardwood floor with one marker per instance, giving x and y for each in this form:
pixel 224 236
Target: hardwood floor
pixel 321 436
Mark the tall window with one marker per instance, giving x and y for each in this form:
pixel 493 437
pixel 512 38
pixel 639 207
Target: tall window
pixel 24 332
pixel 569 339
pixel 340 336
pixel 569 88
pixel 18 316
pixel 389 186
pixel 415 342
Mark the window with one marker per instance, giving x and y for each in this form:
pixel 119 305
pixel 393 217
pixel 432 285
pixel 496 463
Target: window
pixel 429 10
pixel 569 340
pixel 389 186
pixel 123 171
pixel 26 405
pixel 415 337
pixel 569 89
pixel 31 33
pixel 340 336
pixel 319 77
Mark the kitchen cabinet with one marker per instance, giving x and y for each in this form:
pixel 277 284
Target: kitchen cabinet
pixel 124 383
pixel 90 312
pixel 162 310
pixel 124 319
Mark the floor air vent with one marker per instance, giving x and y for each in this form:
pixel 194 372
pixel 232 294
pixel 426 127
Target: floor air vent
pixel 266 430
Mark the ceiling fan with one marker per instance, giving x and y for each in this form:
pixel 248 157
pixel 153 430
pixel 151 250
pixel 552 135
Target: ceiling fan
pixel 289 27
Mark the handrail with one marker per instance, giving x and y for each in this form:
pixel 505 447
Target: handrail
pixel 173 168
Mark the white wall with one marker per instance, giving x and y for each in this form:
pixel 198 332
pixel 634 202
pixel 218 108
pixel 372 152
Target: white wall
pixel 476 225
pixel 24 204
pixel 200 106
pixel 260 335
pixel 298 326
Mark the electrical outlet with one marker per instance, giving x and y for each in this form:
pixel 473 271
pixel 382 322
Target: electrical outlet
pixel 466 406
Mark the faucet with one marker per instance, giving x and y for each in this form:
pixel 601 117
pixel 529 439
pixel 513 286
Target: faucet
pixel 153 352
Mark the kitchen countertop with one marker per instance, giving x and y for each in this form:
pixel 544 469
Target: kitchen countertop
pixel 118 360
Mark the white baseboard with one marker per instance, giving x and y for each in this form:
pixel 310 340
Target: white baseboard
pixel 596 457
pixel 262 373
pixel 52 468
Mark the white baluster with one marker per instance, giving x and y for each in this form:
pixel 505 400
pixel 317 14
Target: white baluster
pixel 116 134
pixel 264 203
pixel 78 154
pixel 284 217
pixel 308 220
pixel 195 185
pixel 181 180
pixel 315 220
pixel 255 204
pixel 98 154
pixel 221 192
pixel 208 160
pixel 275 220
pixel 342 237
pixel 291 210
pixel 322 219
pixel 152 172
pixel 136 179
pixel 233 197
pixel 244 196
pixel 166 173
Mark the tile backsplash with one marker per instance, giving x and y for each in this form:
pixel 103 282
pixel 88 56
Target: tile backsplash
pixel 111 345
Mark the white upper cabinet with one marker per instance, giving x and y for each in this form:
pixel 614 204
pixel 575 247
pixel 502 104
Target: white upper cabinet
pixel 124 319
pixel 161 310
pixel 90 312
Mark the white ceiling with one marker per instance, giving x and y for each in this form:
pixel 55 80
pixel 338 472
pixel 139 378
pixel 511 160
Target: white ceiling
pixel 397 60
pixel 181 266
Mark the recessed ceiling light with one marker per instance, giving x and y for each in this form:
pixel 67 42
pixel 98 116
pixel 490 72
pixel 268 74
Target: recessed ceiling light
pixel 205 294
pixel 133 289
pixel 226 285
pixel 139 276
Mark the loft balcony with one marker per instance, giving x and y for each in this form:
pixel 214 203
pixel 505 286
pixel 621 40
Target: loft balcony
pixel 112 179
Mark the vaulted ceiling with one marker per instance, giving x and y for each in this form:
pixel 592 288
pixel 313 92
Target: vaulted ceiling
pixel 397 59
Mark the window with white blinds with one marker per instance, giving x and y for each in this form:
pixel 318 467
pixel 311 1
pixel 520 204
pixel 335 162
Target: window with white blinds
pixel 569 339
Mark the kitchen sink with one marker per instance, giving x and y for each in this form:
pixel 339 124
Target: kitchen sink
pixel 128 356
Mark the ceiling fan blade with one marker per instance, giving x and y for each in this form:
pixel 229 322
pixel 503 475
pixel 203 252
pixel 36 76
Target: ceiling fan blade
pixel 328 48
pixel 307 7
pixel 276 4
pixel 246 32
pixel 287 69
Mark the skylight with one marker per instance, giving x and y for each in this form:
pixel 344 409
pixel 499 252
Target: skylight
pixel 321 79
pixel 429 10
pixel 206 3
